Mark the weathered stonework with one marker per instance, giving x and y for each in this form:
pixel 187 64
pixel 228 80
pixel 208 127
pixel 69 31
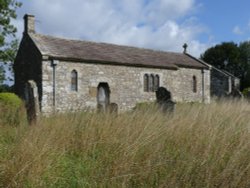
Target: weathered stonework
pixel 126 85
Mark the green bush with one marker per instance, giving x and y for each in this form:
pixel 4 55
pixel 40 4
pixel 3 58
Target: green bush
pixel 11 109
pixel 10 99
pixel 246 92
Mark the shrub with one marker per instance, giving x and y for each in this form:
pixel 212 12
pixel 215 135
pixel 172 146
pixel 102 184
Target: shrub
pixel 10 99
pixel 246 92
pixel 11 109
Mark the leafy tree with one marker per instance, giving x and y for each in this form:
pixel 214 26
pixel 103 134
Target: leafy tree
pixel 231 57
pixel 8 41
pixel 223 56
pixel 244 48
pixel 6 88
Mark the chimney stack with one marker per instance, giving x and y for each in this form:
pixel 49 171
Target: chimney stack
pixel 29 24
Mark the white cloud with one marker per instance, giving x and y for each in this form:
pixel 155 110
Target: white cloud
pixel 144 23
pixel 237 30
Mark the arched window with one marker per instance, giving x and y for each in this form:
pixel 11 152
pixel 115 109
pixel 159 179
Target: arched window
pixel 74 80
pixel 194 84
pixel 145 82
pixel 156 82
pixel 151 82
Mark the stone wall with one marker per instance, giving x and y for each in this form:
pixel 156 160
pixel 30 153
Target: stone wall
pixel 126 85
pixel 221 83
pixel 27 66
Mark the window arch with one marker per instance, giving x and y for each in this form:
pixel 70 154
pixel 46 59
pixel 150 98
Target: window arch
pixel 156 82
pixel 194 84
pixel 74 79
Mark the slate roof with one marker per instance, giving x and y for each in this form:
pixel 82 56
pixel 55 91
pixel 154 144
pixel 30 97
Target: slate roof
pixel 214 68
pixel 76 50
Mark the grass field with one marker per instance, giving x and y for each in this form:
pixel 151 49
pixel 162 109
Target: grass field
pixel 197 146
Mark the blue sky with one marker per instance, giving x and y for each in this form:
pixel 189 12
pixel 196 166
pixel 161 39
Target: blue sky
pixel 158 24
pixel 226 20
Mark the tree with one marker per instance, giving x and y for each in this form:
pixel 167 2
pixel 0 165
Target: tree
pixel 8 41
pixel 231 57
pixel 244 49
pixel 223 56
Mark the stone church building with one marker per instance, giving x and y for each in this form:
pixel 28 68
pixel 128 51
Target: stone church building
pixel 56 74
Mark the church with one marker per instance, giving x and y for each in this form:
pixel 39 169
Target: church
pixel 58 75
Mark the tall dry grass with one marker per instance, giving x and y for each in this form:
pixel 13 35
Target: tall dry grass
pixel 197 146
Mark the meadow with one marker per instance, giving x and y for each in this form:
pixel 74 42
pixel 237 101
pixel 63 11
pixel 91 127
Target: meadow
pixel 197 146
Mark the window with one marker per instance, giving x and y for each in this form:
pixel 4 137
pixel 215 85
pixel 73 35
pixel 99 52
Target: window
pixel 145 82
pixel 156 82
pixel 194 84
pixel 74 80
pixel 151 82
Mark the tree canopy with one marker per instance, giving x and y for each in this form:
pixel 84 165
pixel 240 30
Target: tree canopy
pixel 8 41
pixel 231 57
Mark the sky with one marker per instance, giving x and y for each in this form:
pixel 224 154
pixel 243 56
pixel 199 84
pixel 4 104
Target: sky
pixel 156 24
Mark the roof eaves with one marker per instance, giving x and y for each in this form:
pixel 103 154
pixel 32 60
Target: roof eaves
pixel 190 66
pixel 81 60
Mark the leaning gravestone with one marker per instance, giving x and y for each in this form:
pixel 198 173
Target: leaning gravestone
pixel 163 99
pixel 32 101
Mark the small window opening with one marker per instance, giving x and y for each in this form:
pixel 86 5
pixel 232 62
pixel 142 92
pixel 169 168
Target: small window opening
pixel 145 82
pixel 156 82
pixel 74 80
pixel 151 83
pixel 194 84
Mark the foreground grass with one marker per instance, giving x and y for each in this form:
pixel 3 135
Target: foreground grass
pixel 198 146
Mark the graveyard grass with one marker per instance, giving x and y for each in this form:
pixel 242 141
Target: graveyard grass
pixel 197 146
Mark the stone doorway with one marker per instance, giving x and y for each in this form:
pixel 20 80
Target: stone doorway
pixel 103 97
